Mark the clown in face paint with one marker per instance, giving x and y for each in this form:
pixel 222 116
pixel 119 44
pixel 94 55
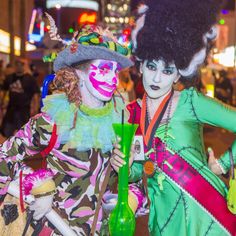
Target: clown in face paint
pixel 100 79
pixel 158 77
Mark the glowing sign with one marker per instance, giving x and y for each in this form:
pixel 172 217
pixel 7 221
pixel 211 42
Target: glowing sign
pixel 34 13
pixel 87 18
pixel 210 90
pixel 86 4
pixel 226 58
pixel 5 43
pixel 37 28
pixel 34 37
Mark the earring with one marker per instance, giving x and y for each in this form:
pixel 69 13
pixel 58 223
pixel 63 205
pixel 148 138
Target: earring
pixel 81 83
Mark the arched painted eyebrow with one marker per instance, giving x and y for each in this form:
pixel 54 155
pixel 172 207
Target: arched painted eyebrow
pixel 170 67
pixel 151 61
pixel 106 65
pixel 165 65
pixel 93 67
pixel 118 67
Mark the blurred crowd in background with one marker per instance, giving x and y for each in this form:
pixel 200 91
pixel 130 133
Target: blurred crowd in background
pixel 21 86
pixel 24 41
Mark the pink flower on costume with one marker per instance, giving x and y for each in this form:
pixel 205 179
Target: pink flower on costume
pixel 35 179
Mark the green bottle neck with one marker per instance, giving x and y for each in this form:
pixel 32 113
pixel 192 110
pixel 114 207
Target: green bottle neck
pixel 123 184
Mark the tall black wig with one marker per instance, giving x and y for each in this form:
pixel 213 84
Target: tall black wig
pixel 178 31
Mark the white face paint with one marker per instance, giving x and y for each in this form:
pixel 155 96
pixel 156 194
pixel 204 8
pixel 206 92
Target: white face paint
pixel 158 77
pixel 101 79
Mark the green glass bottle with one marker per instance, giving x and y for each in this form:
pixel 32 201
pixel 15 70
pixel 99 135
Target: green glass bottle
pixel 122 219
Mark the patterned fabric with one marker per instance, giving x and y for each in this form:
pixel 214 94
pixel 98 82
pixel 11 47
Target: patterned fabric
pixel 96 39
pixel 172 209
pixel 77 193
pixel 50 58
pixel 78 174
pixel 96 36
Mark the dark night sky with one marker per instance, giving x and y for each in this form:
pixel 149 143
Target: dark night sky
pixel 230 4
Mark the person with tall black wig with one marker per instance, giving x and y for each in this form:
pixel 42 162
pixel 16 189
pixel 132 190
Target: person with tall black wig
pixel 172 40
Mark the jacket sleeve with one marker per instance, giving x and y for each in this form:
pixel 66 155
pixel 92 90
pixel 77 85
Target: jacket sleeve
pixel 33 137
pixel 216 113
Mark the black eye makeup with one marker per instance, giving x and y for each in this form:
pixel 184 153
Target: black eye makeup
pixel 168 70
pixel 151 65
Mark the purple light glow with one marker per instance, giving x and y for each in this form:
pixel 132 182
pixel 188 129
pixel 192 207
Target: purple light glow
pixel 224 12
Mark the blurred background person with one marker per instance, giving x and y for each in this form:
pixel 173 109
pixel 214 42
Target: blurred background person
pixel 2 76
pixel 184 83
pixel 9 69
pixel 223 87
pixel 23 98
pixel 138 83
pixel 4 96
pixel 126 86
pixel 34 71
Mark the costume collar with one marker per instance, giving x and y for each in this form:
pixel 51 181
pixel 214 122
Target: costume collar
pixel 93 127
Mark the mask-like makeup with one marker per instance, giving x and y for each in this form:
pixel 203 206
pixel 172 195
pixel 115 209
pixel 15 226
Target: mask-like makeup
pixel 102 79
pixel 158 77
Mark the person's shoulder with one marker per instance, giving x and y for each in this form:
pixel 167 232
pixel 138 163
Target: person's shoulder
pixel 190 95
pixel 42 119
pixel 10 76
pixel 28 76
pixel 190 91
pixel 8 80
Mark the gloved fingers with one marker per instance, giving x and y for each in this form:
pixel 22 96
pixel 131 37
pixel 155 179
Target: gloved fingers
pixel 41 206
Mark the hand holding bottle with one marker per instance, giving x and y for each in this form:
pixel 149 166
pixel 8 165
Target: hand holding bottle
pixel 117 158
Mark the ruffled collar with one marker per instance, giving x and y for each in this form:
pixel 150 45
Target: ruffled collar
pixel 93 127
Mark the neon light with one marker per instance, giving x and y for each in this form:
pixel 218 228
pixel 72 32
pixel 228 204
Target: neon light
pixel 32 21
pixel 86 4
pixel 58 6
pixel 224 12
pixel 71 30
pixel 35 37
pixel 210 90
pixel 226 58
pixel 5 43
pixel 221 21
pixel 87 18
pixel 42 28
